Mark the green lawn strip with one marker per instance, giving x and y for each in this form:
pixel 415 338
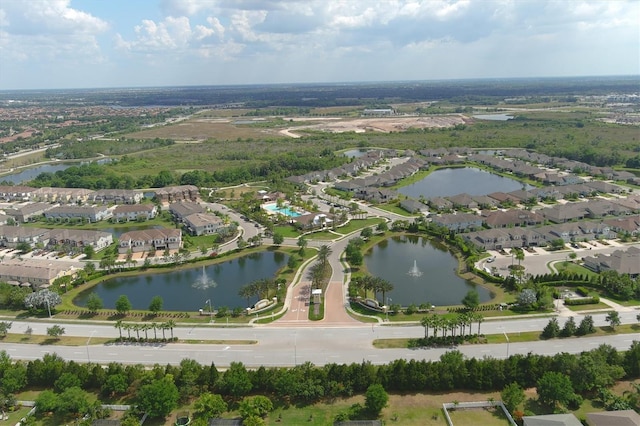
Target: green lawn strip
pixel 395 208
pixel 573 268
pixel 322 236
pixel 356 224
pixel 82 340
pixel 493 416
pixel 589 307
pixel 525 336
pixel 287 231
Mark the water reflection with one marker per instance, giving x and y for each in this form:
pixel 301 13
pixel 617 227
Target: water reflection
pixel 438 284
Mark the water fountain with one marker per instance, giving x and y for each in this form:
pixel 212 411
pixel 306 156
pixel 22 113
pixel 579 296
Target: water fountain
pixel 414 271
pixel 203 282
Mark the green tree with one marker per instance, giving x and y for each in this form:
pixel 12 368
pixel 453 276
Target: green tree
pixel 4 327
pixel 555 388
pixel 94 302
pixel 156 305
pixel 512 396
pixel 115 384
pixel 236 381
pixel 302 243
pixel 209 405
pixel 586 326
pixel 613 318
pixel 66 381
pixel 258 406
pixel 46 401
pixel 366 233
pixel 89 252
pixel 323 254
pixel 569 328
pixel 292 263
pixel 551 330
pixel 55 331
pixel 471 300
pixel 278 238
pixel 24 247
pixel 74 401
pixel 376 398
pixel 123 305
pixel 158 398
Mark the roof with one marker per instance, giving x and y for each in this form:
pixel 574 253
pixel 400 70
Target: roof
pixel 552 420
pixel 614 418
pixel 225 422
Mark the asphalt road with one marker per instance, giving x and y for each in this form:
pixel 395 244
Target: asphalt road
pixel 287 346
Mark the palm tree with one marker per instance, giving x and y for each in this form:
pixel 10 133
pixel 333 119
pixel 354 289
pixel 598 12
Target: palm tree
pixel 384 286
pixel 145 328
pixel 480 320
pixel 155 326
pixel 127 327
pixel 246 292
pixel 170 325
pixel 426 322
pixel 323 254
pixel 137 328
pixel 118 325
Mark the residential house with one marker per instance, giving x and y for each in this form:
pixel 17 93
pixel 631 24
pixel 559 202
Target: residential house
pixel 129 212
pixel 29 211
pixel 484 202
pixel 614 418
pixel 171 194
pixel 182 209
pixel 73 212
pixel 503 198
pixel 564 212
pixel 150 240
pixel 376 195
pixel 11 236
pixel 80 238
pixel 622 261
pixel 464 201
pixel 605 187
pixel 439 203
pixel 34 272
pixel 459 222
pixel 204 224
pixel 117 196
pixel 414 206
pixel 16 193
pixel 490 239
pixel 629 224
pixel 62 195
pixel 515 217
pixel 551 420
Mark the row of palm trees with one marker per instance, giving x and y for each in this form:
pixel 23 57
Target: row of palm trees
pixel 373 284
pixel 261 287
pixel 456 325
pixel 145 327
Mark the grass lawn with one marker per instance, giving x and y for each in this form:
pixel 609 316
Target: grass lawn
pixel 493 416
pixel 525 336
pixel 356 224
pixel 589 307
pixel 395 208
pixel 572 268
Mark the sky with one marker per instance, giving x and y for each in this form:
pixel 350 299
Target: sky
pixel 50 44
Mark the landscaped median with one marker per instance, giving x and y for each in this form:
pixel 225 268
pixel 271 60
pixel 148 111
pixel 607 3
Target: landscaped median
pixel 525 336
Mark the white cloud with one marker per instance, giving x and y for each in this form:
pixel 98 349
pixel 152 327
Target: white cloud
pixel 43 29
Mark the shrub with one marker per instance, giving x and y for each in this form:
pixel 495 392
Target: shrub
pixel 582 301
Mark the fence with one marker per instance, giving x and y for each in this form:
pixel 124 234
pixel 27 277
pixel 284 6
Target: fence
pixel 480 404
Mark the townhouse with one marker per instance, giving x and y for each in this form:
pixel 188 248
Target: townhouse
pixel 149 240
pixel 134 212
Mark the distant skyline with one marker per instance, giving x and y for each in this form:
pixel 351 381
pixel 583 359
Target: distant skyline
pixel 51 44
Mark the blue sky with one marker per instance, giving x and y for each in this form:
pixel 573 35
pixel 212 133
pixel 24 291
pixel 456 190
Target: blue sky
pixel 126 43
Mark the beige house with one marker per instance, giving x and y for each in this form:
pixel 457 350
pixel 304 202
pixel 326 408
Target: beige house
pixel 37 273
pixel 129 212
pixel 150 240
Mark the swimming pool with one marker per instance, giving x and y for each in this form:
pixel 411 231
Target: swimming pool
pixel 273 208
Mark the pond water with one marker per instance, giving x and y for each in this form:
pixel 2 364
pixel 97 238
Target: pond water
pixel 421 271
pixel 355 153
pixel 454 181
pixel 187 290
pixel 27 174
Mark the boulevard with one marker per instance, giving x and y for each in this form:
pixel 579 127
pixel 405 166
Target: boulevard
pixel 294 345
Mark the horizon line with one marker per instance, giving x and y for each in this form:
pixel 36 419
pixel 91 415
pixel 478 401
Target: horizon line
pixel 327 83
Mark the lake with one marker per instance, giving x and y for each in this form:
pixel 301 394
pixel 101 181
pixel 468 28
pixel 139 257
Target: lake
pixel 27 174
pixel 434 280
pixel 454 181
pixel 187 290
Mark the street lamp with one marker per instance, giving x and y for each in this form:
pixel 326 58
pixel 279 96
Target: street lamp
pixel 89 340
pixel 388 306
